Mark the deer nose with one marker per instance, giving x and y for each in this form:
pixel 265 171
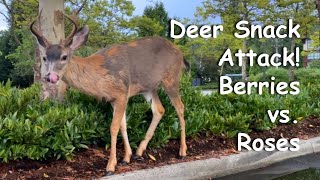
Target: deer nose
pixel 52 77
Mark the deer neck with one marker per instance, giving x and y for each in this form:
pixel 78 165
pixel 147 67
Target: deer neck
pixel 84 73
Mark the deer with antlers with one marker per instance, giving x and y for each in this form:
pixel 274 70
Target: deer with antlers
pixel 114 75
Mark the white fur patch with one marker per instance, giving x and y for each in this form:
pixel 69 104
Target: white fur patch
pixel 147 96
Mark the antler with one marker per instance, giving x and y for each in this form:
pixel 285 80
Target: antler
pixel 74 30
pixel 75 22
pixel 41 39
pixel 80 8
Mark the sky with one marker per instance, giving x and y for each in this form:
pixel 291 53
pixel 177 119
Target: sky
pixel 3 24
pixel 175 8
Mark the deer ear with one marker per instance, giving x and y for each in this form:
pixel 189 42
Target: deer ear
pixel 80 38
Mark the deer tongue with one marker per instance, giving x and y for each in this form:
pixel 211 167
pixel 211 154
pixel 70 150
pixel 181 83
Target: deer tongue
pixel 53 77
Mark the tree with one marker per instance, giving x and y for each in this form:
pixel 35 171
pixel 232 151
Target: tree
pixel 318 7
pixel 206 54
pixel 9 16
pixel 146 26
pixel 154 21
pixel 232 12
pixel 20 55
pixel 51 25
pixel 262 12
pixel 316 38
pixel 5 65
pixel 108 21
pixel 302 13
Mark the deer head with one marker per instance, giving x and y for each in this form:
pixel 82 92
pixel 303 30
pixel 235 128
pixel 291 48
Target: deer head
pixel 57 56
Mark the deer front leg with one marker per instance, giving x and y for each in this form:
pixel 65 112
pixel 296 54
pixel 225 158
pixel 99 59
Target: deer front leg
pixel 124 134
pixel 119 107
pixel 62 90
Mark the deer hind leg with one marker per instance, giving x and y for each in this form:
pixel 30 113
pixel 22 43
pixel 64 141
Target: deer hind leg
pixel 171 86
pixel 124 134
pixel 157 111
pixel 119 108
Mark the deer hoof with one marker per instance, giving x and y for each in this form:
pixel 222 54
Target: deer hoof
pixel 123 163
pixel 137 158
pixel 110 173
pixel 181 157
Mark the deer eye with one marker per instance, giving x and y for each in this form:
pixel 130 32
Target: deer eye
pixel 44 59
pixel 65 57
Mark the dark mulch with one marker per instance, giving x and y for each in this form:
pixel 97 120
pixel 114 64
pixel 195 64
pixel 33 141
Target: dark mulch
pixel 91 163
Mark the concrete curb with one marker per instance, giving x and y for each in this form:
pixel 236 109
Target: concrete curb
pixel 226 165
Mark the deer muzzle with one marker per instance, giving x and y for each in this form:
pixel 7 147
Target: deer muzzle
pixel 52 77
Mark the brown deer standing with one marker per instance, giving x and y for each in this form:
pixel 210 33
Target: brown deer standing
pixel 115 74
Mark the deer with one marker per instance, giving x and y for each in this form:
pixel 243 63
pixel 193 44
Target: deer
pixel 116 73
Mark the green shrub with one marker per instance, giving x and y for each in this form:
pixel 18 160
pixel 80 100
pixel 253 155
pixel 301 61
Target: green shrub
pixel 303 75
pixel 256 78
pixel 212 85
pixel 308 75
pixel 280 74
pixel 41 130
pixel 38 130
pixel 315 64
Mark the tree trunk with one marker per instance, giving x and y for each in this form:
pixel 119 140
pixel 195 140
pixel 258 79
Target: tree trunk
pixel 244 61
pixel 291 68
pixel 318 7
pixel 221 69
pixel 37 67
pixel 51 24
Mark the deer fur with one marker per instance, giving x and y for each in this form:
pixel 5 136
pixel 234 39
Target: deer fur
pixel 117 73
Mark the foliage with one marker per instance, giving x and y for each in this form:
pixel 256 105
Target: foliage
pixel 267 46
pixel 209 86
pixel 302 175
pixel 315 39
pixel 231 12
pixel 302 12
pixel 47 129
pixel 205 54
pixel 262 12
pixel 153 22
pixel 5 65
pixel 256 77
pixel 22 56
pixel 41 130
pixel 315 64
pixel 146 26
pixel 308 75
pixel 112 21
pixel 303 75
pixel 23 59
pixel 159 14
pixel 280 74
pixel 107 20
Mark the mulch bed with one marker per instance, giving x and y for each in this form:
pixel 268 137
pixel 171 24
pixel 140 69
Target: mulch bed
pixel 91 163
